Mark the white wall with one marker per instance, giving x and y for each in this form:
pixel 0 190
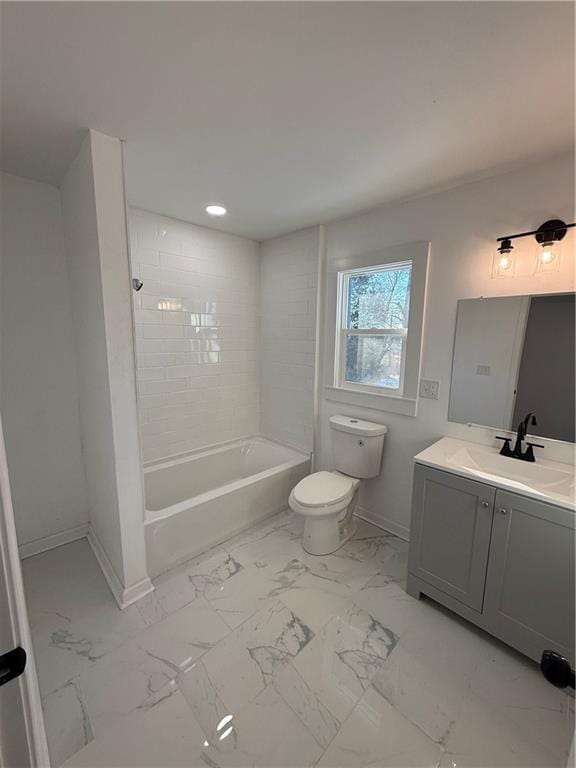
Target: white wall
pixel 96 244
pixel 461 225
pixel 39 388
pixel 197 334
pixel 288 281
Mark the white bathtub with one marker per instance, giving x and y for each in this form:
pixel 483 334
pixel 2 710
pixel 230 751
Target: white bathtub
pixel 202 498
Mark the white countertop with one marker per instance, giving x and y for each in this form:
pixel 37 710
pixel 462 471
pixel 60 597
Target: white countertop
pixel 543 480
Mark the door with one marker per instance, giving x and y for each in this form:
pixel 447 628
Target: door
pixel 529 599
pixel 450 533
pixel 22 737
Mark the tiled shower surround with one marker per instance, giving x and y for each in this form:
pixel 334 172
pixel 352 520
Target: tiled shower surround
pixel 197 334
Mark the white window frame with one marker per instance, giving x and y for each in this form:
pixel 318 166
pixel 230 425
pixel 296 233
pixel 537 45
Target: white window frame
pixel 343 332
pixel 361 395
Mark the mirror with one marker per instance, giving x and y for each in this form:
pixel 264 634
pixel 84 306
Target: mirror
pixel 514 355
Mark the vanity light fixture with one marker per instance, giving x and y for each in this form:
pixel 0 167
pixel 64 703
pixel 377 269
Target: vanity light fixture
pixel 215 209
pixel 548 237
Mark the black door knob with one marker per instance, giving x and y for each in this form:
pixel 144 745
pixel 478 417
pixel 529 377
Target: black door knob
pixel 556 669
pixel 12 664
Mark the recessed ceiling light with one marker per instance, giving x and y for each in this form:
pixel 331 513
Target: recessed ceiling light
pixel 216 210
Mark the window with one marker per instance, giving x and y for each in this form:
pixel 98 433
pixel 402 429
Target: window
pixel 374 318
pixel 372 332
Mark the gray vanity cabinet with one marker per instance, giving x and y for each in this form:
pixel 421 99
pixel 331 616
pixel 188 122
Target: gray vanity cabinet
pixel 529 598
pixel 501 560
pixel 450 534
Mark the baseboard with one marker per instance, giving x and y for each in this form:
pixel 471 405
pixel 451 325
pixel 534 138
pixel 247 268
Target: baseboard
pixel 390 526
pixel 123 596
pixel 137 592
pixel 37 546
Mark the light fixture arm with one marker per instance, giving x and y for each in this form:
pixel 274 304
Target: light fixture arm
pixel 555 227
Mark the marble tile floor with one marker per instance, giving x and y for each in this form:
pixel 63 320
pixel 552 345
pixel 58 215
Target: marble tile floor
pixel 257 654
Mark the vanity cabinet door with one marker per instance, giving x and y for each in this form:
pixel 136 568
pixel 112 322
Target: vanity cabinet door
pixel 529 599
pixel 450 533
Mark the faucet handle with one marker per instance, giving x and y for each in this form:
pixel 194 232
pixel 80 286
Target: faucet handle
pixel 529 452
pixel 505 450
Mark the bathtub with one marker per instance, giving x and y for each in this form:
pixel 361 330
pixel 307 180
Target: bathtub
pixel 198 500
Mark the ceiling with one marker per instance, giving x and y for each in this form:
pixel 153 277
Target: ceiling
pixel 288 113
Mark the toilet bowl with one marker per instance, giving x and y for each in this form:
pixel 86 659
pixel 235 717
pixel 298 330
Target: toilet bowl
pixel 326 500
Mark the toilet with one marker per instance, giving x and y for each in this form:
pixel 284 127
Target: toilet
pixel 326 500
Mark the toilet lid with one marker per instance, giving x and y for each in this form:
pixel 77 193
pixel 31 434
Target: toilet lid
pixel 322 488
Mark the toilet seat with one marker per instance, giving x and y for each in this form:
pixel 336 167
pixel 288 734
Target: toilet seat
pixel 323 493
pixel 322 488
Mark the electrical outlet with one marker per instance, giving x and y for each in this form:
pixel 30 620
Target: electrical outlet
pixel 429 388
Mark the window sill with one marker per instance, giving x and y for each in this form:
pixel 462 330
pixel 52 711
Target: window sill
pixel 405 406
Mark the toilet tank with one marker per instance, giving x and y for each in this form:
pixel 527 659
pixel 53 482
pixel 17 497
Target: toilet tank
pixel 357 446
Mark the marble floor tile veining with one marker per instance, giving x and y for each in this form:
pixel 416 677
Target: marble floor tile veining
pixel 258 654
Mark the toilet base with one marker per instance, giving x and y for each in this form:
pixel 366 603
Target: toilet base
pixel 324 540
pixel 325 535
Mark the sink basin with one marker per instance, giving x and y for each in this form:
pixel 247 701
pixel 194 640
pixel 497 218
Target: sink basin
pixel 545 480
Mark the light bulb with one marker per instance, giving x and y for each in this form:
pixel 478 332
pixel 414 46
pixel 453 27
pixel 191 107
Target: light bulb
pixel 548 256
pixel 215 209
pixel 504 259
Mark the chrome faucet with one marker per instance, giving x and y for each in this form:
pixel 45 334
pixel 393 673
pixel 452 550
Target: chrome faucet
pixel 517 452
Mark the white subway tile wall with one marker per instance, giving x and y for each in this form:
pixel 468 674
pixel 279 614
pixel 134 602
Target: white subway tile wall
pixel 197 334
pixel 288 278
